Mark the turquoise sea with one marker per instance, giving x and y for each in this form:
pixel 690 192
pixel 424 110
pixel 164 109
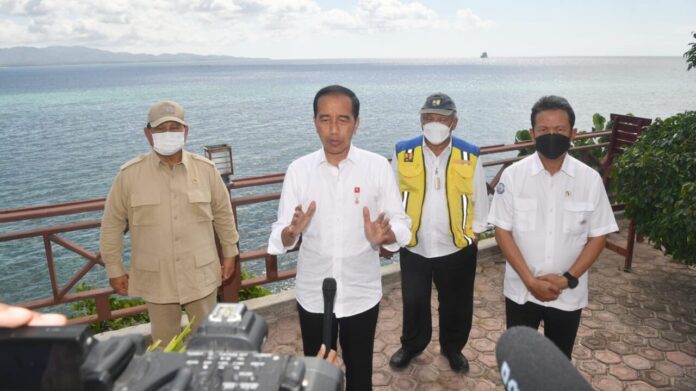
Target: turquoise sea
pixel 66 129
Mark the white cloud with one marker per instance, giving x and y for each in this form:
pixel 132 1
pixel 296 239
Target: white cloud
pixel 468 20
pixel 394 15
pixel 209 26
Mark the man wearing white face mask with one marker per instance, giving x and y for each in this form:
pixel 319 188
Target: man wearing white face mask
pixel 173 203
pixel 443 189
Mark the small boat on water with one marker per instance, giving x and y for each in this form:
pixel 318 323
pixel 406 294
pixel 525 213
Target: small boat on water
pixel 484 55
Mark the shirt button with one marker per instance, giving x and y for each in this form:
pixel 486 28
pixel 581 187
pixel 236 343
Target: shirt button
pixel 550 233
pixel 177 238
pixel 176 217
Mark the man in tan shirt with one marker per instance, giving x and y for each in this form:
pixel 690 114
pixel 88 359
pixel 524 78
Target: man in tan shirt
pixel 173 203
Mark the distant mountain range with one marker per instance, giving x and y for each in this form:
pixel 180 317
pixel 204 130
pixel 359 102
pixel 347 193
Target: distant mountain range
pixel 72 55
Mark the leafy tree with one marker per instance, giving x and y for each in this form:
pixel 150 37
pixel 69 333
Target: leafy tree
pixel 656 180
pixel 690 55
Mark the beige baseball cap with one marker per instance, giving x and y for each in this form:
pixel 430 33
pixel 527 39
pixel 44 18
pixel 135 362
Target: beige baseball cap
pixel 165 111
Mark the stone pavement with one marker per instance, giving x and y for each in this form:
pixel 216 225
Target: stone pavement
pixel 637 333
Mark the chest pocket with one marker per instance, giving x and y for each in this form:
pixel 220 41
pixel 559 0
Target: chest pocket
pixel 576 216
pixel 463 174
pixel 199 205
pixel 525 214
pixel 146 209
pixel 410 174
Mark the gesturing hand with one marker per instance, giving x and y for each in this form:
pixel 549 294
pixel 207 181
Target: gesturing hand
pixel 378 232
pixel 299 222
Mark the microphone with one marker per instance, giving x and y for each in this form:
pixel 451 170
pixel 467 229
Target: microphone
pixel 529 361
pixel 328 289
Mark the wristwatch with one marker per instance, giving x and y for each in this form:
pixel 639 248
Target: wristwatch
pixel 572 281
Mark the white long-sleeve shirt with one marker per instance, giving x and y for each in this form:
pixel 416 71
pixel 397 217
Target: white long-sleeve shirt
pixel 334 242
pixel 434 234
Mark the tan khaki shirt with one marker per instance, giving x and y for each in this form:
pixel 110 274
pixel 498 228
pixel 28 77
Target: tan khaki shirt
pixel 172 214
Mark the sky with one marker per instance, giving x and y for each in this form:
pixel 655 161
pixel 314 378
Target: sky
pixel 319 29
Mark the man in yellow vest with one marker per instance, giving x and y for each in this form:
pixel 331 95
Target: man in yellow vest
pixel 443 190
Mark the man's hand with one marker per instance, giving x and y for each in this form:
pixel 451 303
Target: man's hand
pixel 227 267
pixel 378 232
pixel 559 281
pixel 120 284
pixel 544 290
pixel 331 358
pixel 299 222
pixel 12 316
pixel 384 253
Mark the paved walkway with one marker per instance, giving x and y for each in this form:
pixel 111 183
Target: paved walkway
pixel 638 332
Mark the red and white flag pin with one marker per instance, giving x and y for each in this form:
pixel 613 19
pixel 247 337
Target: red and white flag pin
pixel 356 193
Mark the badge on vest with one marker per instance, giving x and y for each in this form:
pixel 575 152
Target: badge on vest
pixel 462 161
pixel 408 156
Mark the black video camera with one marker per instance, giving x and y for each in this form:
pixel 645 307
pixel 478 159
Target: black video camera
pixel 224 354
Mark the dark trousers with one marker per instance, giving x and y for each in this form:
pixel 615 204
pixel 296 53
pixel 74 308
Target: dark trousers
pixel 454 279
pixel 357 336
pixel 560 326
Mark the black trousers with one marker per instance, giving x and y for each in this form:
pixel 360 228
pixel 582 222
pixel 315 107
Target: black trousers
pixel 560 326
pixel 454 279
pixel 357 336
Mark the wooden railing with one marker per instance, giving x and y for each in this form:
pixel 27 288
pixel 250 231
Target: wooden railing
pixel 230 289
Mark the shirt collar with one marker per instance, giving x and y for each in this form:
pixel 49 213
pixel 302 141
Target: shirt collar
pixel 156 161
pixel 352 155
pixel 446 151
pixel 568 165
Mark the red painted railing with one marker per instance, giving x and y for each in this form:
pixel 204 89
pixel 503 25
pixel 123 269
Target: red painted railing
pixel 230 289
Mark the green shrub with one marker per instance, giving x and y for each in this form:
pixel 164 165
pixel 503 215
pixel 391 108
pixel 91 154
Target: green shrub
pixel 89 307
pixel 254 291
pixel 656 179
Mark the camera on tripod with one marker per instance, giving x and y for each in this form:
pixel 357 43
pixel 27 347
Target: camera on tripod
pixel 224 354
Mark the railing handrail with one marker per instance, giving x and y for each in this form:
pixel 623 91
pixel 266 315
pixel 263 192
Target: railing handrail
pixel 230 289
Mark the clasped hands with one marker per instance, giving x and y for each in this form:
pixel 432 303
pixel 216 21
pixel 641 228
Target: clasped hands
pixel 547 287
pixel 377 232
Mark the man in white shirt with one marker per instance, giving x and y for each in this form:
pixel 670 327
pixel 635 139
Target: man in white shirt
pixel 552 216
pixel 345 203
pixel 444 192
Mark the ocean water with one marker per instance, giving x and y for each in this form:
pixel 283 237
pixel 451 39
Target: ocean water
pixel 67 129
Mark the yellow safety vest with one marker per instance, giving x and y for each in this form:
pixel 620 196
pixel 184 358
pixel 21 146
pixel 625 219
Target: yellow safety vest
pixel 459 186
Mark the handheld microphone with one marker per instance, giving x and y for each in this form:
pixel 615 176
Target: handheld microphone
pixel 529 361
pixel 328 289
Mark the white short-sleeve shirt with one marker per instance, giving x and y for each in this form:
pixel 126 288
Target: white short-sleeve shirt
pixel 551 218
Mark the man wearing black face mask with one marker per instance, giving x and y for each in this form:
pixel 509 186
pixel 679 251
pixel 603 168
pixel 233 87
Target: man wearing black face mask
pixel 552 216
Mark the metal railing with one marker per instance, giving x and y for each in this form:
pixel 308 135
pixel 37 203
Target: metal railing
pixel 230 289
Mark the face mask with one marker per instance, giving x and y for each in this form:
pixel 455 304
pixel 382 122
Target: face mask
pixel 552 145
pixel 436 132
pixel 168 143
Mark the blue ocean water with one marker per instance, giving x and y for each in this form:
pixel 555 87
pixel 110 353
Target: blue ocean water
pixel 66 129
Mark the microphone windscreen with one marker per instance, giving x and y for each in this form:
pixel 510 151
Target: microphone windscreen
pixel 329 284
pixel 528 361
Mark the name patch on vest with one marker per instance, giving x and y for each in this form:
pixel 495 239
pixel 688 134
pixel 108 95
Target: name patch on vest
pixel 408 156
